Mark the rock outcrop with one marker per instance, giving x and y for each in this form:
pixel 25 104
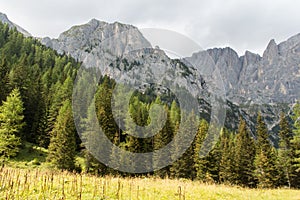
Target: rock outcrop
pixel 4 19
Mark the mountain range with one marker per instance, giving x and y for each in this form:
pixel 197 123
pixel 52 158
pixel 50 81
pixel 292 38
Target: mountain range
pixel 268 83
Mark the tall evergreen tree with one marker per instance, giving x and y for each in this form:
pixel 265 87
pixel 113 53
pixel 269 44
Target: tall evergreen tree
pixel 11 124
pixel 90 139
pixel 199 163
pixel 227 162
pixel 296 138
pixel 244 156
pixel 265 160
pixel 207 168
pixel 285 151
pixel 174 114
pixel 184 167
pixel 4 80
pixel 137 117
pixel 295 145
pixel 160 140
pixel 62 148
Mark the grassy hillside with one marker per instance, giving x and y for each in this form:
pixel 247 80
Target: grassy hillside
pixel 45 184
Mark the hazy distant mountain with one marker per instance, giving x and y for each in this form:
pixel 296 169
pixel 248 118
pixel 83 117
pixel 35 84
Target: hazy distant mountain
pixel 5 20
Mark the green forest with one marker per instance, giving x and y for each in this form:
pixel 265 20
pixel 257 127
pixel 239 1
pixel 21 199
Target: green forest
pixel 36 107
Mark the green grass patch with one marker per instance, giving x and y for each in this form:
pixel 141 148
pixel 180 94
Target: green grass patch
pixel 30 156
pixel 49 184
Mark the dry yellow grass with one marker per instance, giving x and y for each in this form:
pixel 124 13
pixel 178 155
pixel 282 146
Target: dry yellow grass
pixel 44 184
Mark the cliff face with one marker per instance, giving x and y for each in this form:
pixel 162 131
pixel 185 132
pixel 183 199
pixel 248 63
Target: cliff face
pixel 4 19
pixel 252 79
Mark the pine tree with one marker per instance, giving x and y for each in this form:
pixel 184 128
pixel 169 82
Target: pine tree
pixel 11 124
pixel 227 162
pixel 90 140
pixel 265 160
pixel 244 156
pixel 199 163
pixel 285 151
pixel 295 145
pixel 62 148
pixel 174 114
pixel 4 80
pixel 136 121
pixel 296 138
pixel 184 167
pixel 160 140
pixel 103 98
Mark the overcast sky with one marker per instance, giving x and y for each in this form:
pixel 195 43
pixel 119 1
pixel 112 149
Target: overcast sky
pixel 240 24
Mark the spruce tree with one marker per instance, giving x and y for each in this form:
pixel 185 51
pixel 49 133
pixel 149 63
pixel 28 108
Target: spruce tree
pixel 91 141
pixel 160 140
pixel 206 168
pixel 137 120
pixel 62 148
pixel 184 167
pixel 227 162
pixel 199 163
pixel 296 138
pixel 174 114
pixel 244 156
pixel 4 80
pixel 285 151
pixel 11 124
pixel 265 160
pixel 295 145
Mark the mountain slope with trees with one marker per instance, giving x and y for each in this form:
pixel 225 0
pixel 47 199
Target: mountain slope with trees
pixel 37 83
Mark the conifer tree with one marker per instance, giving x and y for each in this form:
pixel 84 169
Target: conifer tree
pixel 207 168
pixel 285 151
pixel 244 156
pixel 295 145
pixel 184 167
pixel 62 148
pixel 266 170
pixel 296 138
pixel 136 121
pixel 174 114
pixel 4 80
pixel 90 139
pixel 227 162
pixel 11 124
pixel 199 163
pixel 160 140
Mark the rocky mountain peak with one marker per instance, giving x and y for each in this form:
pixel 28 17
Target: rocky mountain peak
pixel 271 52
pixel 291 45
pixel 4 19
pixel 94 24
pixel 97 39
pixel 250 58
pixel 219 53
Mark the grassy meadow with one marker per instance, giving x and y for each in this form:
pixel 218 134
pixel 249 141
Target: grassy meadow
pixel 28 176
pixel 38 183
